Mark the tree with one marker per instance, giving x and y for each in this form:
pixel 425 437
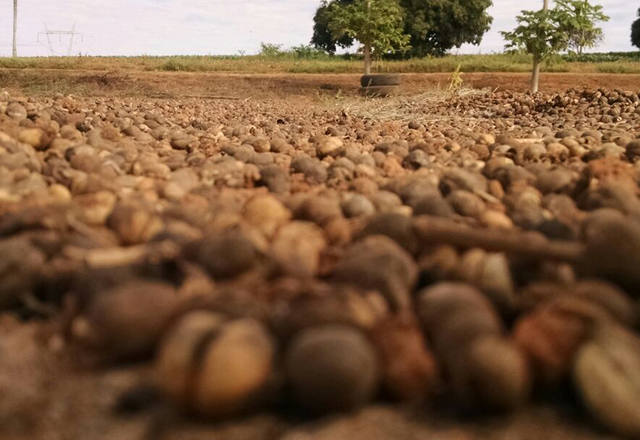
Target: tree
pixel 435 26
pixel 635 32
pixel 547 32
pixel 541 34
pixel 376 24
pixel 15 28
pixel 580 23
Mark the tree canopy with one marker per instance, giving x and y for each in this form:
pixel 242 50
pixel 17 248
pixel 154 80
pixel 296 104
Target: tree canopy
pixel 322 38
pixel 635 32
pixel 438 26
pixel 434 26
pixel 539 33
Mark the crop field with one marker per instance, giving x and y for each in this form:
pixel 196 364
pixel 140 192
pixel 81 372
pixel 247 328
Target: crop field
pixel 239 248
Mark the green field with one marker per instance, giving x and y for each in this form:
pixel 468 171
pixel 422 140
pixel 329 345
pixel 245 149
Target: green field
pixel 288 62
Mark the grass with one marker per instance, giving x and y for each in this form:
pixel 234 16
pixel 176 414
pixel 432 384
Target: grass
pixel 290 63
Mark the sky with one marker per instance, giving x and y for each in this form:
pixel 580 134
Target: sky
pixel 219 27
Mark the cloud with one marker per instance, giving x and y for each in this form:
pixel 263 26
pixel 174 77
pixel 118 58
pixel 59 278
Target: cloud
pixel 163 27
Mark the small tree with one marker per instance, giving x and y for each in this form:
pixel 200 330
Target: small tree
pixel 635 32
pixel 580 23
pixel 376 24
pixel 541 34
pixel 547 32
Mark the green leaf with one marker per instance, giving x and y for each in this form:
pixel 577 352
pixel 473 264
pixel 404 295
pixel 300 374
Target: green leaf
pixel 375 23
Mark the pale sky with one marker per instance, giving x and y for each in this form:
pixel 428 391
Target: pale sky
pixel 220 27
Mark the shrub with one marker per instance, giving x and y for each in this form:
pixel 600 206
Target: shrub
pixel 270 50
pixel 307 52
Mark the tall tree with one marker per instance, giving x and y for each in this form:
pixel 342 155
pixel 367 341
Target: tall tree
pixel 435 26
pixel 635 32
pixel 376 24
pixel 580 23
pixel 15 28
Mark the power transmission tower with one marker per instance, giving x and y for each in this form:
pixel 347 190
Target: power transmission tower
pixel 51 34
pixel 15 28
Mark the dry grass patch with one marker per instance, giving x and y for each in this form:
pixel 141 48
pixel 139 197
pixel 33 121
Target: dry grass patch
pixel 404 108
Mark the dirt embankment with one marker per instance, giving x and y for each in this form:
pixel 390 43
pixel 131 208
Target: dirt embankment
pixel 153 84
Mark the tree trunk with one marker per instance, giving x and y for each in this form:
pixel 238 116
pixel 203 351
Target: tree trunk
pixel 535 76
pixel 367 48
pixel 367 59
pixel 15 28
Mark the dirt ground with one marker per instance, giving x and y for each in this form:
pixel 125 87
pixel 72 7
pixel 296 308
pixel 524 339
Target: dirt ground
pixel 221 85
pixel 47 393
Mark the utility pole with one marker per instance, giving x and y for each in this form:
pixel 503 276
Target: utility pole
pixel 367 46
pixel 15 28
pixel 535 76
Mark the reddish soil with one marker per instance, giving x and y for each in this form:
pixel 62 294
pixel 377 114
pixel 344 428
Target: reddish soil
pixel 155 84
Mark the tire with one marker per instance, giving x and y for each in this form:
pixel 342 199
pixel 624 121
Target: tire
pixel 380 80
pixel 378 91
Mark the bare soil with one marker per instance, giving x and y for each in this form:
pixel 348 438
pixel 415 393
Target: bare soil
pixel 154 84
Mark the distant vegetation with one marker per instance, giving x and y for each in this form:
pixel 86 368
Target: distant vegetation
pixel 306 59
pixel 604 57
